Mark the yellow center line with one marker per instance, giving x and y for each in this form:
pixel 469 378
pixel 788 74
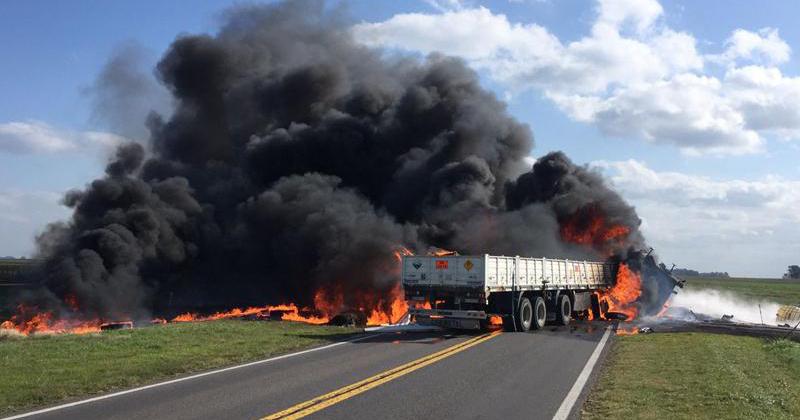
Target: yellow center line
pixel 315 404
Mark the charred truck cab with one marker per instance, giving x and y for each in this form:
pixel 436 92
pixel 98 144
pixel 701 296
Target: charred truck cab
pixel 464 291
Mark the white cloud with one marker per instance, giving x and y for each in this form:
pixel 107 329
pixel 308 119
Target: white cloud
pixel 747 227
pixel 764 46
pixel 31 137
pixel 632 76
pixel 23 137
pixel 641 14
pixel 23 215
pixel 769 101
pixel 444 5
pixel 687 110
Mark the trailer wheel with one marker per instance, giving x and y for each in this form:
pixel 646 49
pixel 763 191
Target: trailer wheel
pixel 539 313
pixel 563 310
pixel 524 317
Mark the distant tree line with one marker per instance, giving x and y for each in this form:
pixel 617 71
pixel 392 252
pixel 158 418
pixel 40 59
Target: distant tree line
pixel 793 272
pixel 694 273
pixel 13 269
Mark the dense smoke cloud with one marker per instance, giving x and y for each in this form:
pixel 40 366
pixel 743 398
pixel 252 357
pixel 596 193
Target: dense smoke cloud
pixel 297 161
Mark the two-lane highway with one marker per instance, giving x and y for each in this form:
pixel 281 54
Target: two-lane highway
pixel 390 375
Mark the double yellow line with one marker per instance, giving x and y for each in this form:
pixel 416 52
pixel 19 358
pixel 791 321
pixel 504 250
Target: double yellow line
pixel 315 404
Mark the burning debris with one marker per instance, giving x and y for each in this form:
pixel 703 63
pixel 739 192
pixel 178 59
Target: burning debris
pixel 295 165
pixel 788 313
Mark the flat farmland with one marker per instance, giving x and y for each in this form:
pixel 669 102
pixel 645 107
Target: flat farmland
pixel 783 291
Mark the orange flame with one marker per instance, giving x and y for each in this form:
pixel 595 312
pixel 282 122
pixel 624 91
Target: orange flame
pixel 439 252
pixel 591 315
pixel 589 227
pixel 627 331
pixel 401 252
pixel 289 312
pixel 29 321
pixel 327 303
pixel 622 297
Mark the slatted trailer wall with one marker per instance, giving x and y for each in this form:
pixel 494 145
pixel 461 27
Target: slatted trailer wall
pixel 533 273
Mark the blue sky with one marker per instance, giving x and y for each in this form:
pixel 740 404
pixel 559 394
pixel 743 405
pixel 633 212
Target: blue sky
pixel 716 183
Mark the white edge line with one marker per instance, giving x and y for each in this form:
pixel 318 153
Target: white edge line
pixel 186 378
pixel 575 392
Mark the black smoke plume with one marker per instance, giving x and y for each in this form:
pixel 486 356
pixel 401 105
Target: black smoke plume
pixel 296 160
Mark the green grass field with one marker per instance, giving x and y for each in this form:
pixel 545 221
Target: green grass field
pixel 44 370
pixel 697 376
pixel 776 290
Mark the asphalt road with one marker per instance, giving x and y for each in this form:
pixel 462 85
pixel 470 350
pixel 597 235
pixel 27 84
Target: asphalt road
pixel 507 375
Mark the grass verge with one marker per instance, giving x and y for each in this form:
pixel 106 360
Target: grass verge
pixel 775 290
pixel 696 375
pixel 44 370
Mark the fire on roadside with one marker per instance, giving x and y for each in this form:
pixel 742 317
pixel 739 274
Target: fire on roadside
pixel 29 321
pixel 627 331
pixel 327 304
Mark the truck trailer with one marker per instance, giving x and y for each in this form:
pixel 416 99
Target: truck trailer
pixel 465 291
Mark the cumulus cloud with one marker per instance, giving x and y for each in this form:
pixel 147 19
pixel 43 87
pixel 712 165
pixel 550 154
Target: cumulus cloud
pixel 631 75
pixel 753 225
pixel 26 137
pixel 764 46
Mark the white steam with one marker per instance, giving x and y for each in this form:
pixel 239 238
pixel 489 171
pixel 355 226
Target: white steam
pixel 715 303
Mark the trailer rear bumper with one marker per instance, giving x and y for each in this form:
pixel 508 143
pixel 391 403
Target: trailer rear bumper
pixel 447 318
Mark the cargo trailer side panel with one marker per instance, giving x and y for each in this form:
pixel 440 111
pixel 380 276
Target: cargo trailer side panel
pixel 545 272
pixel 499 273
pixel 446 271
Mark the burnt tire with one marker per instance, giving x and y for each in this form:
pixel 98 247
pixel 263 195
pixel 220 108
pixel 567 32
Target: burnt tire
pixel 539 313
pixel 563 310
pixel 524 318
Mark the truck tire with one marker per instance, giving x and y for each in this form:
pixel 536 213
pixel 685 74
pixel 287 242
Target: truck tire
pixel 539 313
pixel 524 318
pixel 563 310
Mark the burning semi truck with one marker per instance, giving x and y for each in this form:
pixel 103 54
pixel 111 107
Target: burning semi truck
pixel 467 291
